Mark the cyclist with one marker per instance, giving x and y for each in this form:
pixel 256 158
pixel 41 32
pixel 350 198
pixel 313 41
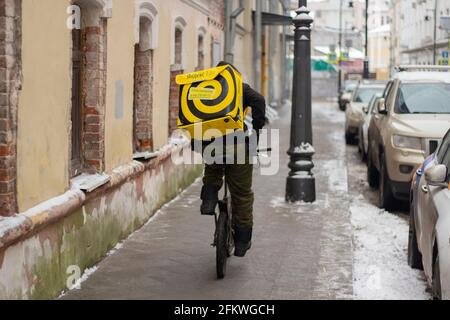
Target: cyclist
pixel 238 176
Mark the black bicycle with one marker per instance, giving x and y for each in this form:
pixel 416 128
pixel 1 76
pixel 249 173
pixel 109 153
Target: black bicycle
pixel 224 233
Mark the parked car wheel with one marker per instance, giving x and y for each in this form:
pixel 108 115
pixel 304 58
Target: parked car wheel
pixel 349 138
pixel 436 280
pixel 386 198
pixel 361 149
pixel 373 176
pixel 414 255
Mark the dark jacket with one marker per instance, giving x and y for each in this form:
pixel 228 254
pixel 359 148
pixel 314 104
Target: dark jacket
pixel 257 102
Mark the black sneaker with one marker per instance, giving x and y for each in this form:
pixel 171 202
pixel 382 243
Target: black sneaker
pixel 209 198
pixel 242 241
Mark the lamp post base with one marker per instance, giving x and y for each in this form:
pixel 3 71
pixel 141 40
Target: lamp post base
pixel 301 183
pixel 301 188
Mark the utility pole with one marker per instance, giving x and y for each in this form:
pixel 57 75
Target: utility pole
pixel 300 185
pixel 435 32
pixel 340 47
pixel 366 46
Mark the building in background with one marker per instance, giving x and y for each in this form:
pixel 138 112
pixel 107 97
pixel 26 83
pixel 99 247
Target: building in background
pixel 395 14
pixel 422 38
pixel 379 44
pixel 327 22
pixel 260 52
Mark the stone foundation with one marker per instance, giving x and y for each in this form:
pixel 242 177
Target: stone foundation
pixel 40 247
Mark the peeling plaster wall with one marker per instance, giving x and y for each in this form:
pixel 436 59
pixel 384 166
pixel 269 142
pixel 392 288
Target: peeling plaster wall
pixel 120 68
pixel 44 103
pixel 36 267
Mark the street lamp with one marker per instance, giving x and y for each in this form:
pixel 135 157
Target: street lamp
pixel 366 44
pixel 300 185
pixel 341 4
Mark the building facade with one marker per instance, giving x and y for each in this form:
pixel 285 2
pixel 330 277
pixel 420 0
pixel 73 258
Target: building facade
pixel 420 29
pixel 88 109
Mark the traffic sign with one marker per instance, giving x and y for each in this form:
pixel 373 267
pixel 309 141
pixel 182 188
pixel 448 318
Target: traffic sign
pixel 332 57
pixel 344 56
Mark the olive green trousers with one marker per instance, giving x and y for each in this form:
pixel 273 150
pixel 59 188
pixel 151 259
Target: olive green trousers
pixel 239 180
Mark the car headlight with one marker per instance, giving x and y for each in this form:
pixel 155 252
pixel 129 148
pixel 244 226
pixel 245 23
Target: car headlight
pixel 405 142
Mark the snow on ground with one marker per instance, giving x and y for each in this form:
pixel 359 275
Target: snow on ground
pixel 380 268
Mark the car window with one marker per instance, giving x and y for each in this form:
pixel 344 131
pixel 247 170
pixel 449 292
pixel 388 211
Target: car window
pixel 373 103
pixel 387 89
pixel 443 147
pixel 389 97
pixel 364 94
pixel 350 87
pixel 415 98
pixel 446 159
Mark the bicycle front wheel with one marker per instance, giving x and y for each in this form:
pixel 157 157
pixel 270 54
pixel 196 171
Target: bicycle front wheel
pixel 222 245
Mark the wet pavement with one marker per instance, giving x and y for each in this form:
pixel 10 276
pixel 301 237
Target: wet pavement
pixel 300 251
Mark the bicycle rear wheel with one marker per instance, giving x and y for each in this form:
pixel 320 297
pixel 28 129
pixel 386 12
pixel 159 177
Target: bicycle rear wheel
pixel 222 243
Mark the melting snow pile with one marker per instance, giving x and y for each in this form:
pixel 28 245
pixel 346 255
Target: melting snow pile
pixel 380 270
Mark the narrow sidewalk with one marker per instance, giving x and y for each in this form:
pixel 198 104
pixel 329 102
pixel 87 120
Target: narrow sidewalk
pixel 300 251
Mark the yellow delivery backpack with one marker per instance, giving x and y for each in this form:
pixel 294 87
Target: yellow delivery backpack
pixel 211 99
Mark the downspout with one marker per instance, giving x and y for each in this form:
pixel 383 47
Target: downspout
pixel 257 45
pixel 230 25
pixel 283 67
pixel 227 49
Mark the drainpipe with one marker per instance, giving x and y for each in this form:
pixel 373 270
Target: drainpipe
pixel 230 28
pixel 227 49
pixel 257 45
pixel 283 66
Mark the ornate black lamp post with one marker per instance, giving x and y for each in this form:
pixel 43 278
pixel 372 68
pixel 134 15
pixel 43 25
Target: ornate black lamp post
pixel 300 184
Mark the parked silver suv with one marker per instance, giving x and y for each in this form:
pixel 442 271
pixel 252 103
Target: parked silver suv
pixel 411 119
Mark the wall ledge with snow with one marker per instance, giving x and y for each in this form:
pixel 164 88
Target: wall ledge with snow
pixel 77 229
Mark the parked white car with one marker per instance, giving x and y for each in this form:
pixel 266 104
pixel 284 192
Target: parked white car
pixel 363 132
pixel 429 227
pixel 354 111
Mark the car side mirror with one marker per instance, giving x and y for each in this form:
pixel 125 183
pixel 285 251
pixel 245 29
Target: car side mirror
pixel 365 109
pixel 382 106
pixel 437 176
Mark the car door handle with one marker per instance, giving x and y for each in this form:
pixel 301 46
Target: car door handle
pixel 424 189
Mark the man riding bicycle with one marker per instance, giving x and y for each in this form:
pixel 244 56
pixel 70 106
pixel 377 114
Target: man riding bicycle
pixel 238 175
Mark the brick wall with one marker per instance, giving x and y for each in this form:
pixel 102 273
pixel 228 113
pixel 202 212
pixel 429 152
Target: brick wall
pixel 10 85
pixel 143 100
pixel 93 97
pixel 217 12
pixel 174 94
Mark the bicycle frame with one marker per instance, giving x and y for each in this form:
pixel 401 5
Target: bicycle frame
pixel 224 233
